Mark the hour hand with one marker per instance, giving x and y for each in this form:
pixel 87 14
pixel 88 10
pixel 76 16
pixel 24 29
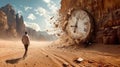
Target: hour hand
pixel 74 28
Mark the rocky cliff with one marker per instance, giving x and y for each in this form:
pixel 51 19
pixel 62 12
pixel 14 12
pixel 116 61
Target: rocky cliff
pixel 20 26
pixel 105 13
pixel 15 22
pixel 11 19
pixel 3 23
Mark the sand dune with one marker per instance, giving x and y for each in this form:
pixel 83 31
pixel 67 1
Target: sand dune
pixel 42 54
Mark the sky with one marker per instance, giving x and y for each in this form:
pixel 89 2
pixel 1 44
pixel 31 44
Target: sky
pixel 36 13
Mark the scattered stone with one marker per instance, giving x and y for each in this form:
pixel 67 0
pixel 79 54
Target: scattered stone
pixel 65 64
pixel 79 60
pixel 46 55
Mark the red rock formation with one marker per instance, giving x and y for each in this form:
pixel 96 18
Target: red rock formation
pixel 20 26
pixel 11 16
pixel 3 21
pixel 14 21
pixel 3 24
pixel 11 19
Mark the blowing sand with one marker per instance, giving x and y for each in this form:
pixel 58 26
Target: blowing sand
pixel 42 54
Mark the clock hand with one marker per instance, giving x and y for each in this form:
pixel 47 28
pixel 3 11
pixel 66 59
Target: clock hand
pixel 76 26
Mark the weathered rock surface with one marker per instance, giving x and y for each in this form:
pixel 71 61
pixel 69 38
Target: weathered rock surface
pixel 20 26
pixel 3 23
pixel 14 22
pixel 11 18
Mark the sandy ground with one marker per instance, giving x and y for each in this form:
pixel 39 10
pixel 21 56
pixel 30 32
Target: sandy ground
pixel 42 54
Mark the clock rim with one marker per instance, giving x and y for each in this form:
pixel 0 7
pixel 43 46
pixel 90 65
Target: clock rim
pixel 91 30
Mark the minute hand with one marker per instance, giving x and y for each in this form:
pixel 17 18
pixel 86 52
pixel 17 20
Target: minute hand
pixel 76 26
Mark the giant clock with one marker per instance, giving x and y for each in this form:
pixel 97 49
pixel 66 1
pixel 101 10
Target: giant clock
pixel 79 25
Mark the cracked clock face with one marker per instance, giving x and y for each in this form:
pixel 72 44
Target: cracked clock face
pixel 79 24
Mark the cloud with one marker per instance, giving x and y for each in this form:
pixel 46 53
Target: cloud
pixel 47 13
pixel 41 11
pixel 51 11
pixel 34 26
pixel 27 8
pixel 31 16
pixel 52 6
pixel 47 1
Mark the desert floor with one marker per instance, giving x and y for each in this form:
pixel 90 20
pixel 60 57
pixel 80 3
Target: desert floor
pixel 45 54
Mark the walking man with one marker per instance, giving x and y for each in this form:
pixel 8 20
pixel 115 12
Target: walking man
pixel 26 42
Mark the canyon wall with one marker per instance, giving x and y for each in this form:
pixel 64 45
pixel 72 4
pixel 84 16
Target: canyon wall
pixel 15 24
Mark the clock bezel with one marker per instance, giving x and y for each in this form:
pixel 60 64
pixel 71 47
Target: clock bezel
pixel 91 30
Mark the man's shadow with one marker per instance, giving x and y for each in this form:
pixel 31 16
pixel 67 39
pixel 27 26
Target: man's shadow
pixel 16 60
pixel 13 61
